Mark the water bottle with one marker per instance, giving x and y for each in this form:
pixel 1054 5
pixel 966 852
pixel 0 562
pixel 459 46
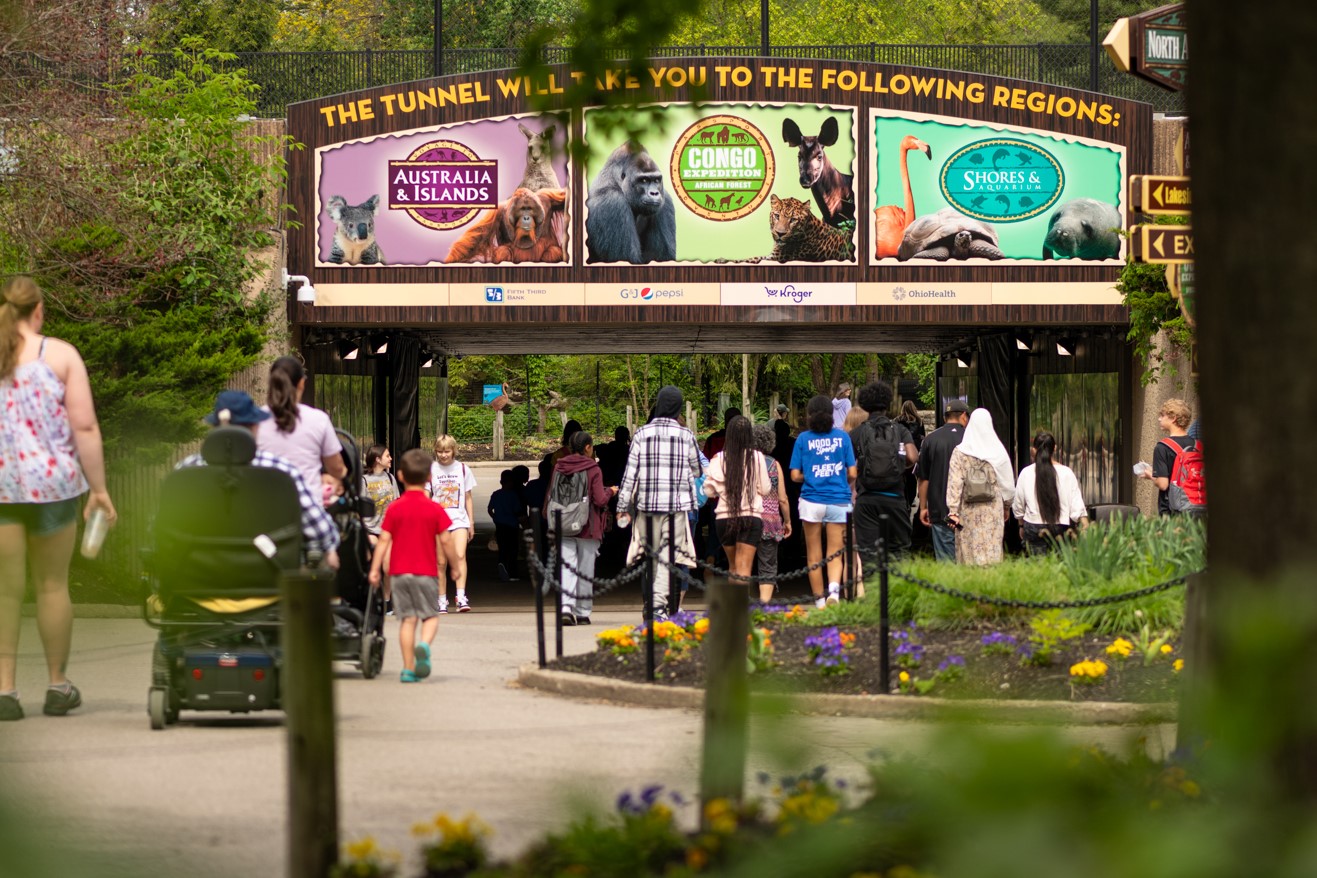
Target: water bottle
pixel 92 538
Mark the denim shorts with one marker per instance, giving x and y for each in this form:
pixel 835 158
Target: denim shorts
pixel 40 519
pixel 829 513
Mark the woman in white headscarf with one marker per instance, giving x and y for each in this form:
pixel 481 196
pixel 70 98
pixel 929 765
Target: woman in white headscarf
pixel 980 488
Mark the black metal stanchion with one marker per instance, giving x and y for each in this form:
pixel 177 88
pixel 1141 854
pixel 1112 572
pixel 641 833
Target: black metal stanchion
pixel 649 599
pixel 557 575
pixel 533 546
pixel 848 563
pixel 884 627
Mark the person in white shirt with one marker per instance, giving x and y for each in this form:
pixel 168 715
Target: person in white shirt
pixel 451 484
pixel 1048 502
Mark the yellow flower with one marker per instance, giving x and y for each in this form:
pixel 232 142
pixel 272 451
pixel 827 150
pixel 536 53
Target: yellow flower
pixel 1167 649
pixel 702 626
pixel 363 849
pixel 904 677
pixel 1089 670
pixel 1121 647
pixel 1178 666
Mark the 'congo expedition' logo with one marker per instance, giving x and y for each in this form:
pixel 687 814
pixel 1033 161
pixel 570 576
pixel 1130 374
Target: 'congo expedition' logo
pixel 1002 180
pixel 722 168
pixel 443 184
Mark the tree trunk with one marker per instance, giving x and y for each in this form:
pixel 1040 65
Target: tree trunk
pixel 1251 85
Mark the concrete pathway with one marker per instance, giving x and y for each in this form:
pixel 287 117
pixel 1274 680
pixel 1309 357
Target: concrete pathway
pixel 106 796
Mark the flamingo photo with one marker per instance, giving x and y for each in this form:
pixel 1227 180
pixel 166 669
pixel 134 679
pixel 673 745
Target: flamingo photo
pixel 890 220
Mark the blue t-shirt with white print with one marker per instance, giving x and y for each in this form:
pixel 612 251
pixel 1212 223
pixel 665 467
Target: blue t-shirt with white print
pixel 824 459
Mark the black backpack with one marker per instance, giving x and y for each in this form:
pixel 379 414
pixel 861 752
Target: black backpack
pixel 882 466
pixel 570 497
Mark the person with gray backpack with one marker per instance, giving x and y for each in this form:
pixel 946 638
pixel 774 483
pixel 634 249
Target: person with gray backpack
pixel 980 490
pixel 884 453
pixel 575 507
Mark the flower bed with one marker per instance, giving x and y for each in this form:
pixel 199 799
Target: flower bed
pixel 1049 657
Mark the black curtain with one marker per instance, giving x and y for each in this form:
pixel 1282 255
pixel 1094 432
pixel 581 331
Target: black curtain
pixel 404 395
pixel 997 385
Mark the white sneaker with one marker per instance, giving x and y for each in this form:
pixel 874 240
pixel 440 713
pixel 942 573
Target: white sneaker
pixel 834 594
pixel 463 605
pixel 820 604
pixel 443 605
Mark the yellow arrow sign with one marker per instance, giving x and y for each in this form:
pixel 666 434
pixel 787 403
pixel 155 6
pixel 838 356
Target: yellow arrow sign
pixel 1163 245
pixel 1160 196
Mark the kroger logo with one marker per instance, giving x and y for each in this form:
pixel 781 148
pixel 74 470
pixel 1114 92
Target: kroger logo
pixel 1002 180
pixel 898 294
pixel 493 294
pixel 648 294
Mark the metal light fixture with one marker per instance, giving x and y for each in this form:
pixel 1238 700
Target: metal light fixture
pixel 347 350
pixel 1065 347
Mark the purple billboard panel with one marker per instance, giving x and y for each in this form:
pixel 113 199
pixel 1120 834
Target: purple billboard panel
pixel 488 191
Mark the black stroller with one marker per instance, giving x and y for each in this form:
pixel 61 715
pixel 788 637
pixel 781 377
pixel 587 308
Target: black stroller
pixel 359 610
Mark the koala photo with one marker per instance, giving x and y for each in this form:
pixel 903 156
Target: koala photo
pixel 354 239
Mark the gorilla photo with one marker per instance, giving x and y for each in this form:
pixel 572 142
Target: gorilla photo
pixel 629 215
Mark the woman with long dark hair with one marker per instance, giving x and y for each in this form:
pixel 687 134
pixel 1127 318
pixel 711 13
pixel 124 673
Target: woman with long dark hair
pixel 823 462
pixel 738 478
pixel 301 433
pixel 777 513
pixel 1048 501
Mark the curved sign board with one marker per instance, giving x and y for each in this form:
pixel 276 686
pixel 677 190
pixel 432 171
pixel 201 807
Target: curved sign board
pixel 792 187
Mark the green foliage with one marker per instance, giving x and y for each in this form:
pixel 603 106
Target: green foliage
pixel 924 368
pixel 230 25
pixel 153 286
pixel 629 845
pixel 1051 629
pixel 1153 309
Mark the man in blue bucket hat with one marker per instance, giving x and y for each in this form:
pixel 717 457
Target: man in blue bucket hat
pixel 235 408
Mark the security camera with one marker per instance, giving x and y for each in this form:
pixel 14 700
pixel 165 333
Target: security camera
pixel 306 292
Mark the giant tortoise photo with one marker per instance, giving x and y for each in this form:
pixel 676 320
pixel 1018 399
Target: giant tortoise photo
pixel 949 234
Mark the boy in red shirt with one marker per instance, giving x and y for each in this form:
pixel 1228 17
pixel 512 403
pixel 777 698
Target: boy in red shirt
pixel 413 530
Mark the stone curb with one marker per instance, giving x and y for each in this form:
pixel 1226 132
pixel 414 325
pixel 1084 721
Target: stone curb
pixel 898 707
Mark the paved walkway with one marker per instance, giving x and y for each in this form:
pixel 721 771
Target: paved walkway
pixel 206 798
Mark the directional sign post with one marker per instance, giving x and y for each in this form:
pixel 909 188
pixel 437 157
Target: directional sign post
pixel 1152 45
pixel 1163 245
pixel 1160 196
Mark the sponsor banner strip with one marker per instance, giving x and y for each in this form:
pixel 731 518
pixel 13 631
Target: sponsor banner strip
pixel 1084 293
pixel 497 294
pixel 653 294
pixel 383 295
pixel 788 294
pixel 924 294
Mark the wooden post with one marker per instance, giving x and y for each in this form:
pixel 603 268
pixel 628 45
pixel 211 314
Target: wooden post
pixel 533 554
pixel 630 421
pixel 746 408
pixel 690 417
pixel 726 692
pixel 308 701
pixel 884 622
pixel 441 426
pixel 498 435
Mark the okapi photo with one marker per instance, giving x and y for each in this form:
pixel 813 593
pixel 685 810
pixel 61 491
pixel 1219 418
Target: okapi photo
pixel 832 189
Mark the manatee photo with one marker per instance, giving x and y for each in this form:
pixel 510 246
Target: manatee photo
pixel 1083 228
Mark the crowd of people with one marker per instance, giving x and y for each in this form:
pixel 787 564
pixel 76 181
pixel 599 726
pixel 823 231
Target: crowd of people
pixel 737 502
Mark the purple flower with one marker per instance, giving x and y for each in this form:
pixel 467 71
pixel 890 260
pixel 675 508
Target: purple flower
pixel 997 638
pixel 951 661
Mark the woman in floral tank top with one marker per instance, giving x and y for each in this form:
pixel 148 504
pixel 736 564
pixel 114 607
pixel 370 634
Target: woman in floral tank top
pixel 50 453
pixel 777 513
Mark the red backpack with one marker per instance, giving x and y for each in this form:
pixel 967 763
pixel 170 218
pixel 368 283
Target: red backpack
pixel 1187 491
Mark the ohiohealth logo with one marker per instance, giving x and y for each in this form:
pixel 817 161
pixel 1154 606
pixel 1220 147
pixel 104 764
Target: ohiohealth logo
pixel 1002 180
pixel 898 294
pixel 493 294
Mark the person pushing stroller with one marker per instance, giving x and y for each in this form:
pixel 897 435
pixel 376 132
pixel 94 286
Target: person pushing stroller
pixel 413 531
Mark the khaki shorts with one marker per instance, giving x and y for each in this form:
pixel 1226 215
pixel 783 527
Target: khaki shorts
pixel 415 596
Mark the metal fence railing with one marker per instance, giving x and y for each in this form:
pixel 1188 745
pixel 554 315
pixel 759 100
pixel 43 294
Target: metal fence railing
pixel 284 78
